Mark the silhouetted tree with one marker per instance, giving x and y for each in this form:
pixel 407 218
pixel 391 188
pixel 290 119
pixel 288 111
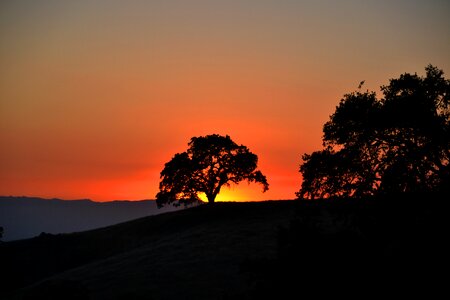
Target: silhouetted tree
pixel 210 162
pixel 399 143
pixel 1 232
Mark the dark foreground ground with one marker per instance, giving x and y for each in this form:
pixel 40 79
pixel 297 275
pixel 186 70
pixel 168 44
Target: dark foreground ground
pixel 240 251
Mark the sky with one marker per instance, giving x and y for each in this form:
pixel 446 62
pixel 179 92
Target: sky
pixel 96 96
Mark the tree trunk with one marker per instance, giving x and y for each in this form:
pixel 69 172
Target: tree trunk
pixel 211 198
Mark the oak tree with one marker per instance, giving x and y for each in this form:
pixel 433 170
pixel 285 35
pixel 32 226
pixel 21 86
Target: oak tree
pixel 399 143
pixel 210 162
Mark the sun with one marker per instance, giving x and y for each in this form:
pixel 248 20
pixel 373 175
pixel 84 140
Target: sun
pixel 232 194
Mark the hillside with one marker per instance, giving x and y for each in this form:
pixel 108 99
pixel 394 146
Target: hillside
pixel 167 255
pixel 26 217
pixel 228 250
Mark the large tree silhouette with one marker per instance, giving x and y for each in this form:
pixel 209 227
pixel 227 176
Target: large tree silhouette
pixel 211 162
pixel 399 143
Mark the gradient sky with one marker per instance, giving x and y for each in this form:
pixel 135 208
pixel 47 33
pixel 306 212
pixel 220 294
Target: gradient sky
pixel 95 96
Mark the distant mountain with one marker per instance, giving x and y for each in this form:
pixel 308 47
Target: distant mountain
pixel 26 217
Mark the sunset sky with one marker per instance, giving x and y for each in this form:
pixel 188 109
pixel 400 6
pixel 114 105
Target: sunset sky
pixel 95 96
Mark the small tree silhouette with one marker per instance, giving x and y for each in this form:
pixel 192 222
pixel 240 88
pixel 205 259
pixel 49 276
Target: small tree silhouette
pixel 400 143
pixel 210 162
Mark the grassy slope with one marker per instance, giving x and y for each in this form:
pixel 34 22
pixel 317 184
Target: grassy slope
pixel 198 253
pixel 190 254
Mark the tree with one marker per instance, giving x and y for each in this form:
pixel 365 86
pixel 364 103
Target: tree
pixel 1 232
pixel 399 143
pixel 211 162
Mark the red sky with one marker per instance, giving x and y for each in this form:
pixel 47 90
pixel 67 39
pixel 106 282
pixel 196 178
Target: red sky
pixel 96 97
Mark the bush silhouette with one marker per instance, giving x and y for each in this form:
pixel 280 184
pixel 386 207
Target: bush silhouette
pixel 210 162
pixel 399 143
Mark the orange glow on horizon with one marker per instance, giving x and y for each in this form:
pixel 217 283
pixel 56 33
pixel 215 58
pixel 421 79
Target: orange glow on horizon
pixel 95 98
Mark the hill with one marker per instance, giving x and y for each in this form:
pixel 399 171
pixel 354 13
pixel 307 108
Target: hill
pixel 231 250
pixel 26 217
pixel 167 255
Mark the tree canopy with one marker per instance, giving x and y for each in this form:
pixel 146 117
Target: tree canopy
pixel 211 162
pixel 398 143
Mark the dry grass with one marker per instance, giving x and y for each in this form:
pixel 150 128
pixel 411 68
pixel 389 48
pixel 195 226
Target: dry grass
pixel 190 254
